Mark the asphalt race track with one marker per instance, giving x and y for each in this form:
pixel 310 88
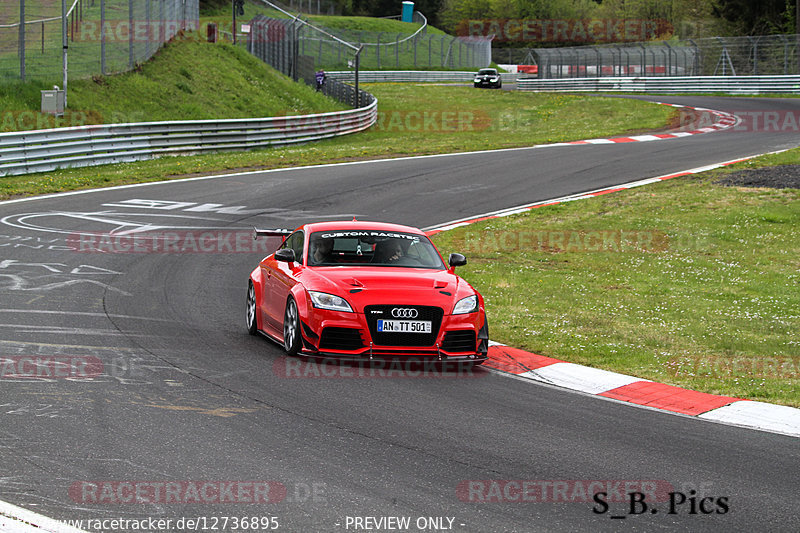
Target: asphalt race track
pixel 181 393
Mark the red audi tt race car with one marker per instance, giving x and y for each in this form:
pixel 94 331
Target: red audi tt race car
pixel 362 290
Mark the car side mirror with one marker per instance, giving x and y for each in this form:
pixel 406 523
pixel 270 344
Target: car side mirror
pixel 456 260
pixel 286 255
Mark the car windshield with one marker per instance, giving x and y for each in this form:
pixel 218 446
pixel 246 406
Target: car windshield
pixel 373 248
pixel 487 72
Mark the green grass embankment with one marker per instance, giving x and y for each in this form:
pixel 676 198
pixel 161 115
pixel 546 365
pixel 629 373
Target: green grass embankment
pixel 685 282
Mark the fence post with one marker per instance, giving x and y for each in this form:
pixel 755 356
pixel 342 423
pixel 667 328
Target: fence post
pixel 102 37
pixel 378 48
pixel 64 46
pixel 430 46
pixel 755 54
pixel 147 25
pixel 162 24
pixel 21 46
pixel 644 60
pixel 358 56
pixel 295 51
pixel 130 34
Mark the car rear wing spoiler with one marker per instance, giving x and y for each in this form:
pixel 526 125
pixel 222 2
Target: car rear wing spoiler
pixel 275 232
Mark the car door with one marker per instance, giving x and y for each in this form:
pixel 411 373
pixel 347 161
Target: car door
pixel 281 279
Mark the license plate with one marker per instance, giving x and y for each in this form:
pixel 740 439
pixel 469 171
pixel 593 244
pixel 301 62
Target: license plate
pixel 404 326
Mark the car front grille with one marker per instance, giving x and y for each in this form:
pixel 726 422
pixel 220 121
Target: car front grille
pixel 375 312
pixel 459 341
pixel 340 339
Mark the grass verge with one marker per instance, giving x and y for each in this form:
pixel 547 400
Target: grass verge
pixel 413 120
pixel 685 282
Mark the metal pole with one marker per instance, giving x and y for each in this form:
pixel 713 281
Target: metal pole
pixel 147 25
pixel 64 47
pixel 102 37
pixel 162 24
pixel 22 40
pixel 130 34
pixel 293 67
pixel 233 30
pixel 358 54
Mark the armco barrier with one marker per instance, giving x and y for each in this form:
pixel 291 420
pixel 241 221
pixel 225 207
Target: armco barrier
pixel 687 84
pixel 411 76
pixel 44 150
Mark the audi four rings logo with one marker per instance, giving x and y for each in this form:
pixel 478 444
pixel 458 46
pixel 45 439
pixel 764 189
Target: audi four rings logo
pixel 402 312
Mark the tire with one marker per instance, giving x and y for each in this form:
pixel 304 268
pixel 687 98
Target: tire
pixel 252 321
pixel 291 328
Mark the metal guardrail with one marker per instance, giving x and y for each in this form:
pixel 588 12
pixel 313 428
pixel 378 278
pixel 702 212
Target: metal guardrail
pixel 45 150
pixel 411 76
pixel 675 84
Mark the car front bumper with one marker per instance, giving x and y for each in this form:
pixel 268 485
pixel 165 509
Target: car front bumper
pixel 460 338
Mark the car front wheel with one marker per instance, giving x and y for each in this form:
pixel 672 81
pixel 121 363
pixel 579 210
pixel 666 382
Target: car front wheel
pixel 291 328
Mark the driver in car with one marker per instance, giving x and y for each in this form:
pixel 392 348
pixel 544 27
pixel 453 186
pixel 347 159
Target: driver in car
pixel 394 252
pixel 322 249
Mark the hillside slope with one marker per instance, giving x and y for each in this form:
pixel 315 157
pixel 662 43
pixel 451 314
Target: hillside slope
pixel 187 79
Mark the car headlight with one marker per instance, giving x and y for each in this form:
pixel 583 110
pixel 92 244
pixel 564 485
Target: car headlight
pixel 477 80
pixel 466 305
pixel 323 300
pixel 492 79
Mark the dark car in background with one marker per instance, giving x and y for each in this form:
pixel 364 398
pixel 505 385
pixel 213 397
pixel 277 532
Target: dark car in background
pixel 488 77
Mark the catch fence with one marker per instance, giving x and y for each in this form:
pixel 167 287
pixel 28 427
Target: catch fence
pixel 717 56
pixel 103 36
pixel 277 43
pixel 387 50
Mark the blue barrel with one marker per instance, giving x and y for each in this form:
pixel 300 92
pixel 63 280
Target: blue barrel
pixel 408 11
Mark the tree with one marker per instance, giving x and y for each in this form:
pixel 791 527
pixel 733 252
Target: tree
pixel 762 17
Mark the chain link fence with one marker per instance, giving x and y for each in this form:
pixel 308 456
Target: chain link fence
pixel 313 7
pixel 716 56
pixel 329 48
pixel 104 36
pixel 400 50
pixel 383 50
pixel 277 43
